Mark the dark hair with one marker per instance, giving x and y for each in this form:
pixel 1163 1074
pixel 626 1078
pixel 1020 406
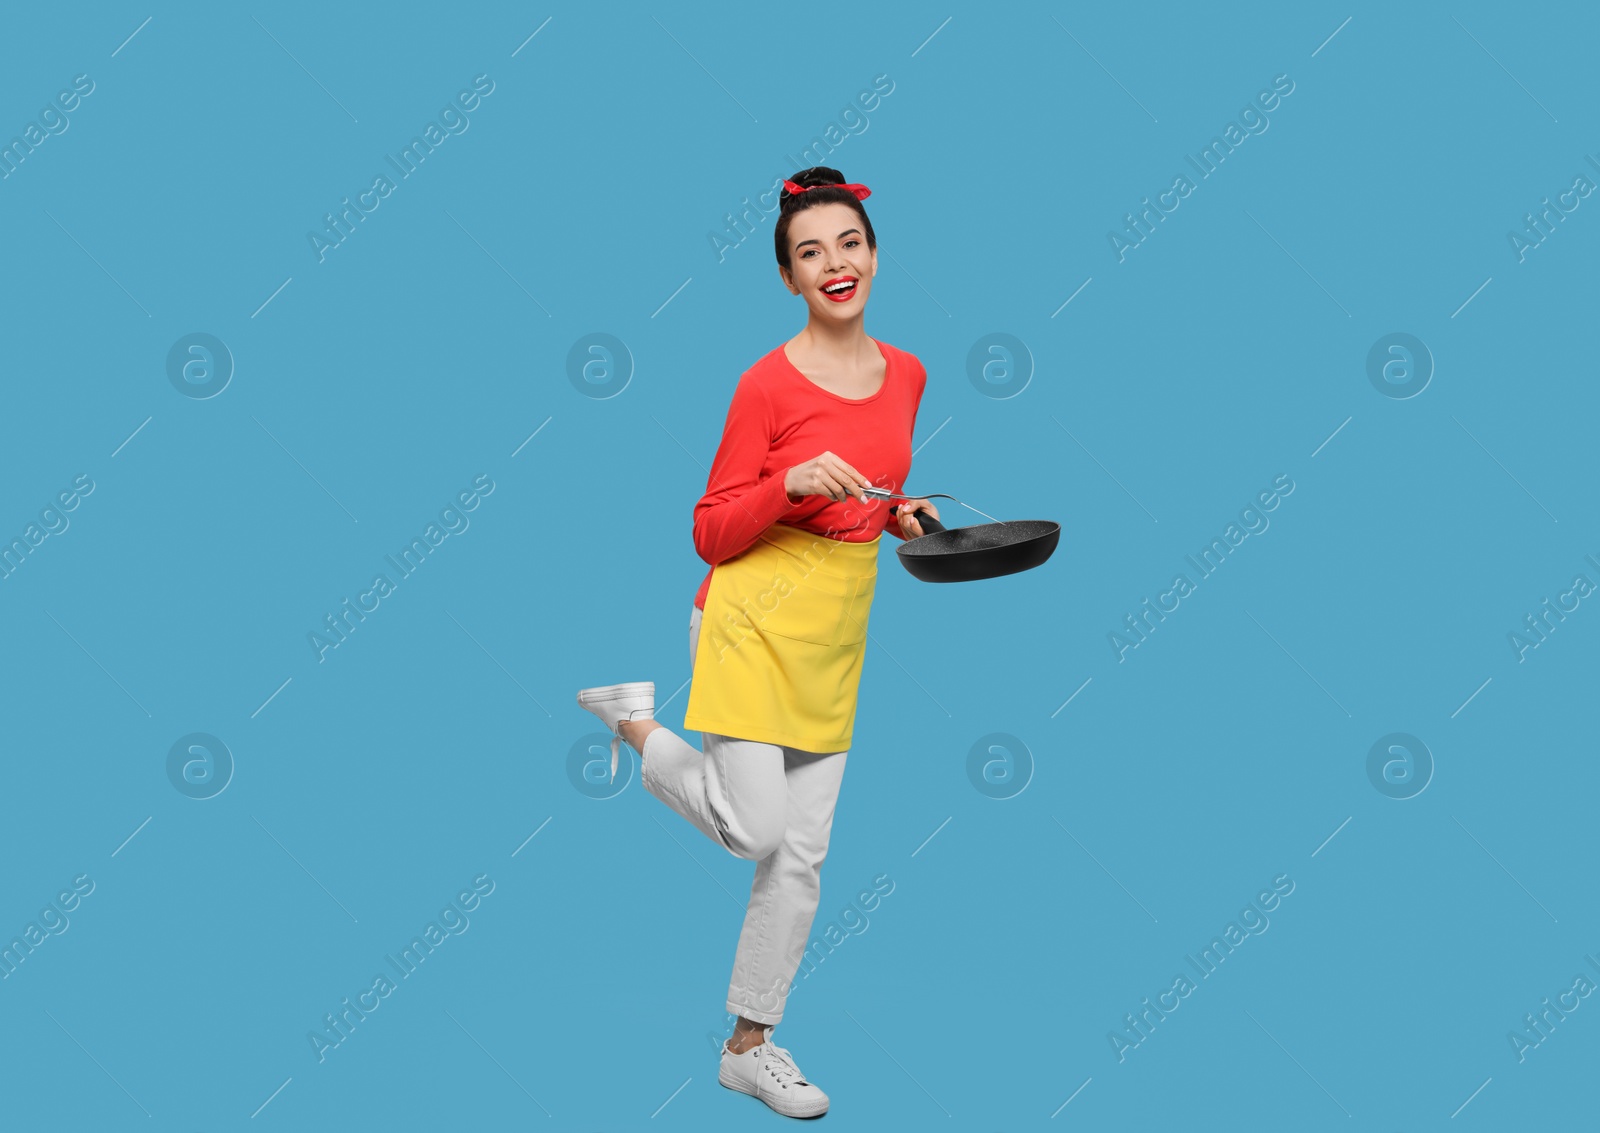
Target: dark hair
pixel 789 204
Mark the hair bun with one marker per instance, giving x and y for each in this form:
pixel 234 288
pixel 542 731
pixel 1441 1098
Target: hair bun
pixel 809 178
pixel 819 175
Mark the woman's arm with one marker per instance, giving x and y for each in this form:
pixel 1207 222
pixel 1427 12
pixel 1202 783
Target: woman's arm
pixel 738 506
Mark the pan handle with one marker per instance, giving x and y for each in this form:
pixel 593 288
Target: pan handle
pixel 928 524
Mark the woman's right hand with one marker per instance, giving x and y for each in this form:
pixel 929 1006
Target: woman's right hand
pixel 825 475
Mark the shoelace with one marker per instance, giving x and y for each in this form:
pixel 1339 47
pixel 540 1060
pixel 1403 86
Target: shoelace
pixel 616 738
pixel 780 1065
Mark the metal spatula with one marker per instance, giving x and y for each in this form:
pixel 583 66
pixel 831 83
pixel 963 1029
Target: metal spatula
pixel 886 494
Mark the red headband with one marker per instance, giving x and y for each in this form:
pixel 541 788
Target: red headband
pixel 861 192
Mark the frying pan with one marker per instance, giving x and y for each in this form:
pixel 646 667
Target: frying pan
pixel 962 554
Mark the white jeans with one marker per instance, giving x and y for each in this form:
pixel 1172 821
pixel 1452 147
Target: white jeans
pixel 772 804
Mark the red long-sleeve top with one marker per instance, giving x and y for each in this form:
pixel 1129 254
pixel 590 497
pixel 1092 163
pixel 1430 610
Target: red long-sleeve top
pixel 779 418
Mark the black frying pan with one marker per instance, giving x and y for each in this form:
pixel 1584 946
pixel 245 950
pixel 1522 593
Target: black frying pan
pixel 984 550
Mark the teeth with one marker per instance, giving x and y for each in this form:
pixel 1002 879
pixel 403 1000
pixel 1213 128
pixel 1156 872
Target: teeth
pixel 835 288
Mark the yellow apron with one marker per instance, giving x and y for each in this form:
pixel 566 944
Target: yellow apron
pixel 782 640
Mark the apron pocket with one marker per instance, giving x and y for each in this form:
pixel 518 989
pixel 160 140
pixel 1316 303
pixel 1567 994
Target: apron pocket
pixel 853 630
pixel 822 609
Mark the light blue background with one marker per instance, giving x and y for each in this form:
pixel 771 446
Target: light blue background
pixel 1230 748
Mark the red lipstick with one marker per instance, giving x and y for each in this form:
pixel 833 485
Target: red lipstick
pixel 844 295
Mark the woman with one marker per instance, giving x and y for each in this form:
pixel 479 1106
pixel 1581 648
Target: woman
pixel 777 632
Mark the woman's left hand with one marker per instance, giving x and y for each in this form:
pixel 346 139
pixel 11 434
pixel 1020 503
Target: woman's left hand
pixel 908 520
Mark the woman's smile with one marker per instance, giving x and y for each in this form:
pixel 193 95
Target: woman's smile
pixel 841 289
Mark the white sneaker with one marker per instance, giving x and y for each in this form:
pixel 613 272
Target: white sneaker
pixel 615 703
pixel 766 1071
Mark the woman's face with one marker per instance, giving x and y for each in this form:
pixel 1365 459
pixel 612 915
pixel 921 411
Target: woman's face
pixel 826 245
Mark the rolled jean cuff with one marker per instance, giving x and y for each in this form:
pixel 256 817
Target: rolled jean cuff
pixel 765 1018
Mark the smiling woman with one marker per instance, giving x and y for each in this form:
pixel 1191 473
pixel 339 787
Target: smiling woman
pixel 778 629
